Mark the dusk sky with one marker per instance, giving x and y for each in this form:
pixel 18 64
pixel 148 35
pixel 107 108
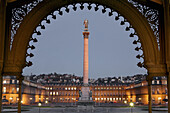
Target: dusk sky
pixel 60 47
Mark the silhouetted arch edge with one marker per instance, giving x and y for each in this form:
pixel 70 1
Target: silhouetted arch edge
pixel 32 20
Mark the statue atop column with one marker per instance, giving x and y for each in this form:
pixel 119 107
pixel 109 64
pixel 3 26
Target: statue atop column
pixel 86 23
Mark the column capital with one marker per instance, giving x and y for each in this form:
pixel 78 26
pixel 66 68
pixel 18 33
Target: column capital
pixel 156 70
pixel 86 34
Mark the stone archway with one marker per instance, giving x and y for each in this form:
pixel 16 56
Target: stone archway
pixel 32 20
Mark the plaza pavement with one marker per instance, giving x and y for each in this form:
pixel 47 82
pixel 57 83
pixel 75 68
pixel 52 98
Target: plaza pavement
pixel 85 109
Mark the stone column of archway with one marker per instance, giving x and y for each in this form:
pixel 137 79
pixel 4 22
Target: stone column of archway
pixel 149 80
pixel 2 44
pixel 153 71
pixel 20 79
pixel 166 6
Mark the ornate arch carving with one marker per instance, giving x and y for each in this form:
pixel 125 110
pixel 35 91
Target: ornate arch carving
pixel 33 19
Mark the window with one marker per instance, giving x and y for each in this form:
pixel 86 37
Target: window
pixel 4 82
pixel 51 93
pixel 13 90
pixel 152 81
pixel 13 81
pixel 157 81
pixel 4 89
pixel 158 91
pixel 17 89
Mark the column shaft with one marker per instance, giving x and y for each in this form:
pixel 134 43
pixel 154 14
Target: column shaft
pixel 150 95
pixel 1 90
pixel 85 63
pixel 19 95
pixel 168 79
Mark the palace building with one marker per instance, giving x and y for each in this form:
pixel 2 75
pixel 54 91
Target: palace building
pixel 33 92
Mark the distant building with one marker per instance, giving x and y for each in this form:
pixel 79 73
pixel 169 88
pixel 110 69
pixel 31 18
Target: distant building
pixel 57 88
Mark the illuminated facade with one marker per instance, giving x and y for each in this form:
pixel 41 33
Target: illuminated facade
pixel 32 93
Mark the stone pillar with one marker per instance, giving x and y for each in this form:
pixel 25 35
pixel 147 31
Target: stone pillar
pixel 20 78
pixel 1 90
pixel 150 95
pixel 85 60
pixel 2 43
pixel 168 85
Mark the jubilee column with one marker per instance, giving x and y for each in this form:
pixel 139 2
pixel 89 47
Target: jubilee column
pixel 85 60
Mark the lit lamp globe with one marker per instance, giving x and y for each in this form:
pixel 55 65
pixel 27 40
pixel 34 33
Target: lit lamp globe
pixel 46 102
pixel 125 102
pixel 39 104
pixel 131 104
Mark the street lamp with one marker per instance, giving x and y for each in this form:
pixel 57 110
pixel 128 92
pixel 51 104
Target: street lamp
pixel 131 104
pixel 39 104
pixel 125 102
pixel 46 102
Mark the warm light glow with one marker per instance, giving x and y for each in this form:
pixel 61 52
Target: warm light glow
pixel 21 101
pixel 30 98
pixel 4 81
pixel 10 98
pixel 125 102
pixel 131 104
pixel 39 104
pixel 4 90
pixel 46 102
pixel 159 98
pixel 51 93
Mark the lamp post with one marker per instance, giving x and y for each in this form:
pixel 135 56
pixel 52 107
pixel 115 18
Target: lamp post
pixel 39 104
pixel 131 104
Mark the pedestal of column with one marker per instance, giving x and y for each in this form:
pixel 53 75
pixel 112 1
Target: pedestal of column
pixel 85 93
